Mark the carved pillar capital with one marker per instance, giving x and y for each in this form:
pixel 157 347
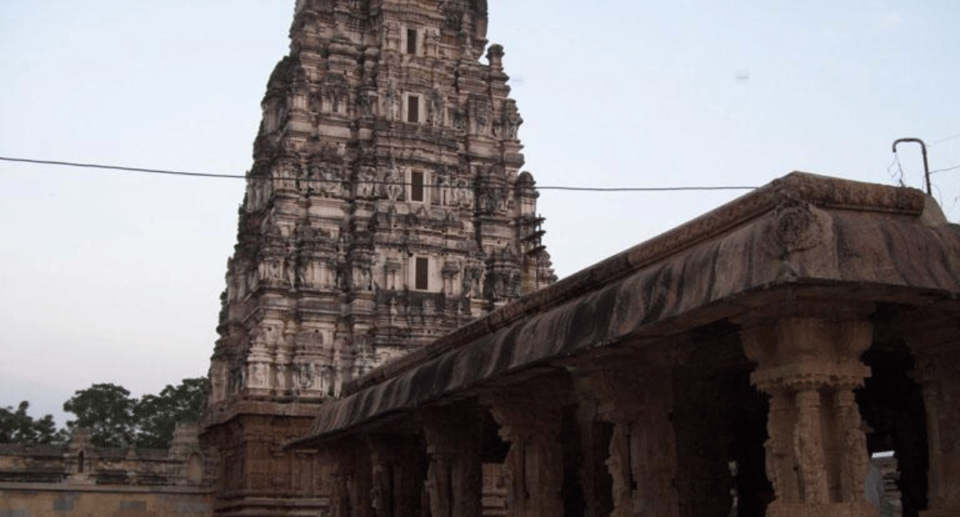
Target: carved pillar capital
pixel 808 361
pixel 804 352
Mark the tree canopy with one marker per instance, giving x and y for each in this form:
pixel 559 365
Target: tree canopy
pixel 115 419
pixel 16 426
pixel 112 416
pixel 158 415
pixel 106 410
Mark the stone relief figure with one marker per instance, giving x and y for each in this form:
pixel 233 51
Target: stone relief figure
pixel 855 462
pixel 238 380
pixel 363 279
pixel 258 375
pixel 393 103
pixel 315 103
pixel 492 199
pixel 303 272
pixel 436 107
pixel 512 284
pixel 367 101
pixel 331 181
pixel 367 187
pixel 305 376
pixel 459 119
pixel 326 379
pixel 291 270
pixel 395 183
pixel 446 190
pixel 806 445
pixel 511 124
pixel 464 193
pixel 472 282
pixel 481 114
pixel 280 382
pixel 271 269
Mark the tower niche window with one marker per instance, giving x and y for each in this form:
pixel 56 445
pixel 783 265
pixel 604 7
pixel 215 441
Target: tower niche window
pixel 421 281
pixel 413 108
pixel 416 186
pixel 412 42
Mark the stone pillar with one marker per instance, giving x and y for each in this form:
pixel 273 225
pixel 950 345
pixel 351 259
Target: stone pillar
pixel 636 396
pixel 808 362
pixel 455 476
pixel 397 476
pixel 594 445
pixel 352 479
pixel 530 420
pixel 935 340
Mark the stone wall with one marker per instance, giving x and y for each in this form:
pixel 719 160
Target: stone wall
pixel 68 500
pixel 79 479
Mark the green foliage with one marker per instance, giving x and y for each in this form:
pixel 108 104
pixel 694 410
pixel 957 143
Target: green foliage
pixel 106 410
pixel 16 426
pixel 115 419
pixel 158 415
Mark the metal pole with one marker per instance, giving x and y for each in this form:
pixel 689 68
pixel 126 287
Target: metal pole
pixel 923 148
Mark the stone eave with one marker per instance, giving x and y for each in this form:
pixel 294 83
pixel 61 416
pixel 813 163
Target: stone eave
pixel 800 236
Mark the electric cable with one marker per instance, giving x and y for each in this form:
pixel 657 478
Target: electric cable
pixel 378 182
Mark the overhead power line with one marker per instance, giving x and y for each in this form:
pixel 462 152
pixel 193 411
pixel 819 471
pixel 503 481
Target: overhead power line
pixel 122 168
pixel 955 167
pixel 240 176
pixel 945 139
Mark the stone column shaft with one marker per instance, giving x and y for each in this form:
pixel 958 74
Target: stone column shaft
pixel 534 465
pixel 637 398
pixel 398 475
pixel 352 480
pixel 808 362
pixel 455 475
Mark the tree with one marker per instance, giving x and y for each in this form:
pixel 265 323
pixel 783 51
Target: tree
pixel 16 426
pixel 158 415
pixel 106 410
pixel 115 419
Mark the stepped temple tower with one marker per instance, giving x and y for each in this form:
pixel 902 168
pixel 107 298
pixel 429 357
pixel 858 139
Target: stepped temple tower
pixel 385 208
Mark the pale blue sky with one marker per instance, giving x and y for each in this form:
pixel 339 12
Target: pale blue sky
pixel 109 277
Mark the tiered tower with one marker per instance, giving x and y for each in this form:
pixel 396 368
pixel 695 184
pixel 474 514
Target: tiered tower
pixel 385 207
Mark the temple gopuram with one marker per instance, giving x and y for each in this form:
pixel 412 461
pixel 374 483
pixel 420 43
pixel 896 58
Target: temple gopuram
pixel 385 208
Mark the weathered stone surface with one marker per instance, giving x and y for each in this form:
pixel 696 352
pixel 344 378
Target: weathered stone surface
pixel 79 463
pixel 713 268
pixel 793 277
pixel 79 479
pixel 385 208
